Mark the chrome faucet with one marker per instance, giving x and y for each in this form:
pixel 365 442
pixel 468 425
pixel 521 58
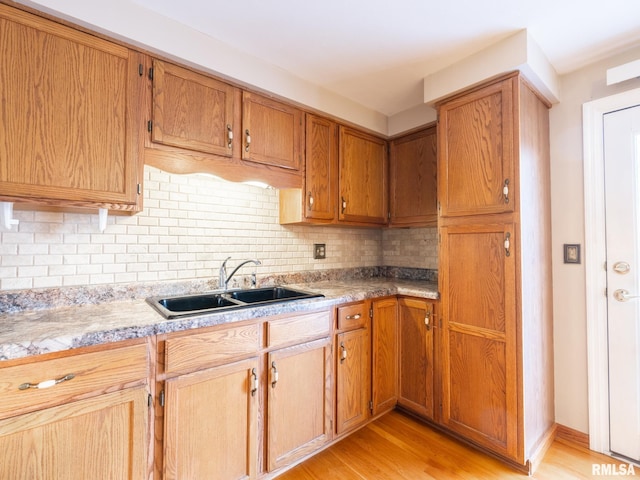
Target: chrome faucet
pixel 224 279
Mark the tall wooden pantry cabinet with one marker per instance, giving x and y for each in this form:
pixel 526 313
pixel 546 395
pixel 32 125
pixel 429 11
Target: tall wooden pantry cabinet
pixel 495 270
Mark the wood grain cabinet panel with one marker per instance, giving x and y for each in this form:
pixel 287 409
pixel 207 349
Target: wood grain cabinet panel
pixel 272 132
pixel 416 356
pixel 479 393
pixel 413 198
pixel 316 201
pixel 353 379
pixel 384 358
pixel 363 178
pixel 298 401
pixel 71 117
pixel 476 148
pixel 191 110
pixel 211 423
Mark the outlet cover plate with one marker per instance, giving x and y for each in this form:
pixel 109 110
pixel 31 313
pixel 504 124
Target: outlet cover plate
pixel 319 251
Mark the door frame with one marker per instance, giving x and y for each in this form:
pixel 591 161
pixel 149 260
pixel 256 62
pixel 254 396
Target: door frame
pixel 595 258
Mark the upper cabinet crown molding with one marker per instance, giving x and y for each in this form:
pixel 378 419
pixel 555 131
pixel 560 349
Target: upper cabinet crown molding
pixel 69 127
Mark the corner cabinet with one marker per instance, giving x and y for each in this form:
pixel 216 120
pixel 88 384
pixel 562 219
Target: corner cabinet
pixel 495 271
pixel 71 124
pixel 384 358
pixel 413 194
pixel 363 178
pixel 80 415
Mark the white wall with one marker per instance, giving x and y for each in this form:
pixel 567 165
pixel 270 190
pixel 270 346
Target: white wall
pixel 567 195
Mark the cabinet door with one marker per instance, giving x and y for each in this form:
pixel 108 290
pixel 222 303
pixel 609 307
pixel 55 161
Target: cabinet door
pixel 362 178
pixel 272 132
pixel 299 401
pixel 191 110
pixel 413 198
pixel 479 374
pixel 104 437
pixel 385 354
pixel 353 379
pixel 71 116
pixel 321 168
pixel 416 356
pixel 210 423
pixel 477 152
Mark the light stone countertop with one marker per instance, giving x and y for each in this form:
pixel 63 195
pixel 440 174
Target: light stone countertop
pixel 35 332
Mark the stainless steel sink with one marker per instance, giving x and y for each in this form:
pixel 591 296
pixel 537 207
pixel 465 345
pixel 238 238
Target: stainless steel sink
pixel 198 304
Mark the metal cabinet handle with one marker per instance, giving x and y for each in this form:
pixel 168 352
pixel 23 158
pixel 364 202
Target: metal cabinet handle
pixel 247 140
pixel 343 352
pixel 229 136
pixel 47 383
pixel 274 374
pixel 505 191
pixel 310 201
pixel 507 244
pixel 344 205
pixel 254 382
pixel 357 316
pixel 427 320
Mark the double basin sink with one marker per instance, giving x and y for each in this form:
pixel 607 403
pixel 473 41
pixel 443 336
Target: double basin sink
pixel 217 301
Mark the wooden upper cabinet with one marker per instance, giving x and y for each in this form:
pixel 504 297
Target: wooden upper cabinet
pixel 272 132
pixel 363 186
pixel 70 123
pixel 413 199
pixel 316 201
pixel 476 149
pixel 191 110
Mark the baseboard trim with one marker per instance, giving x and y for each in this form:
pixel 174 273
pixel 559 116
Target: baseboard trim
pixel 572 437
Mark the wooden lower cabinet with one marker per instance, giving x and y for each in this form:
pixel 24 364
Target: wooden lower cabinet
pixel 298 401
pixel 384 356
pixel 416 356
pixel 211 423
pixel 93 422
pixel 353 379
pixel 103 437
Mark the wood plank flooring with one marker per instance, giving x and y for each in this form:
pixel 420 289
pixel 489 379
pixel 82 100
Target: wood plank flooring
pixel 397 447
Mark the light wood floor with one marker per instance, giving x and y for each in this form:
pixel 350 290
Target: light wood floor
pixel 399 447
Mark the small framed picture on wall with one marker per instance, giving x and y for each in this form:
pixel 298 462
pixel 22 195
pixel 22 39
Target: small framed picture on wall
pixel 571 253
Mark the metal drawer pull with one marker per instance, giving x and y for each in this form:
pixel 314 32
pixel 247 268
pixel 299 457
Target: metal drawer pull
pixel 47 383
pixel 254 382
pixel 274 375
pixel 357 316
pixel 229 136
pixel 247 140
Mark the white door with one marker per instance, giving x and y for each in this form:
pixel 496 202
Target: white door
pixel 622 200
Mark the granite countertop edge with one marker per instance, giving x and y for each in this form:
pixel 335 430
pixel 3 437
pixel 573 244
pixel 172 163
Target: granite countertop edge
pixel 37 332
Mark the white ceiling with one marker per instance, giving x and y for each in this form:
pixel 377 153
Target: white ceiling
pixel 376 52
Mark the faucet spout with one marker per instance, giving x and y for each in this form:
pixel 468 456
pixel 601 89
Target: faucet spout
pixel 224 279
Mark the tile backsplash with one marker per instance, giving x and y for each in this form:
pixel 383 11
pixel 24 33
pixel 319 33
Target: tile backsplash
pixel 189 225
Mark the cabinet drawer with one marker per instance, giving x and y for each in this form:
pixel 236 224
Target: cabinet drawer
pixel 98 372
pixel 192 352
pixel 298 328
pixel 352 316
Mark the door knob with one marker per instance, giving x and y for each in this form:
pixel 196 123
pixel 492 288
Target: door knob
pixel 622 295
